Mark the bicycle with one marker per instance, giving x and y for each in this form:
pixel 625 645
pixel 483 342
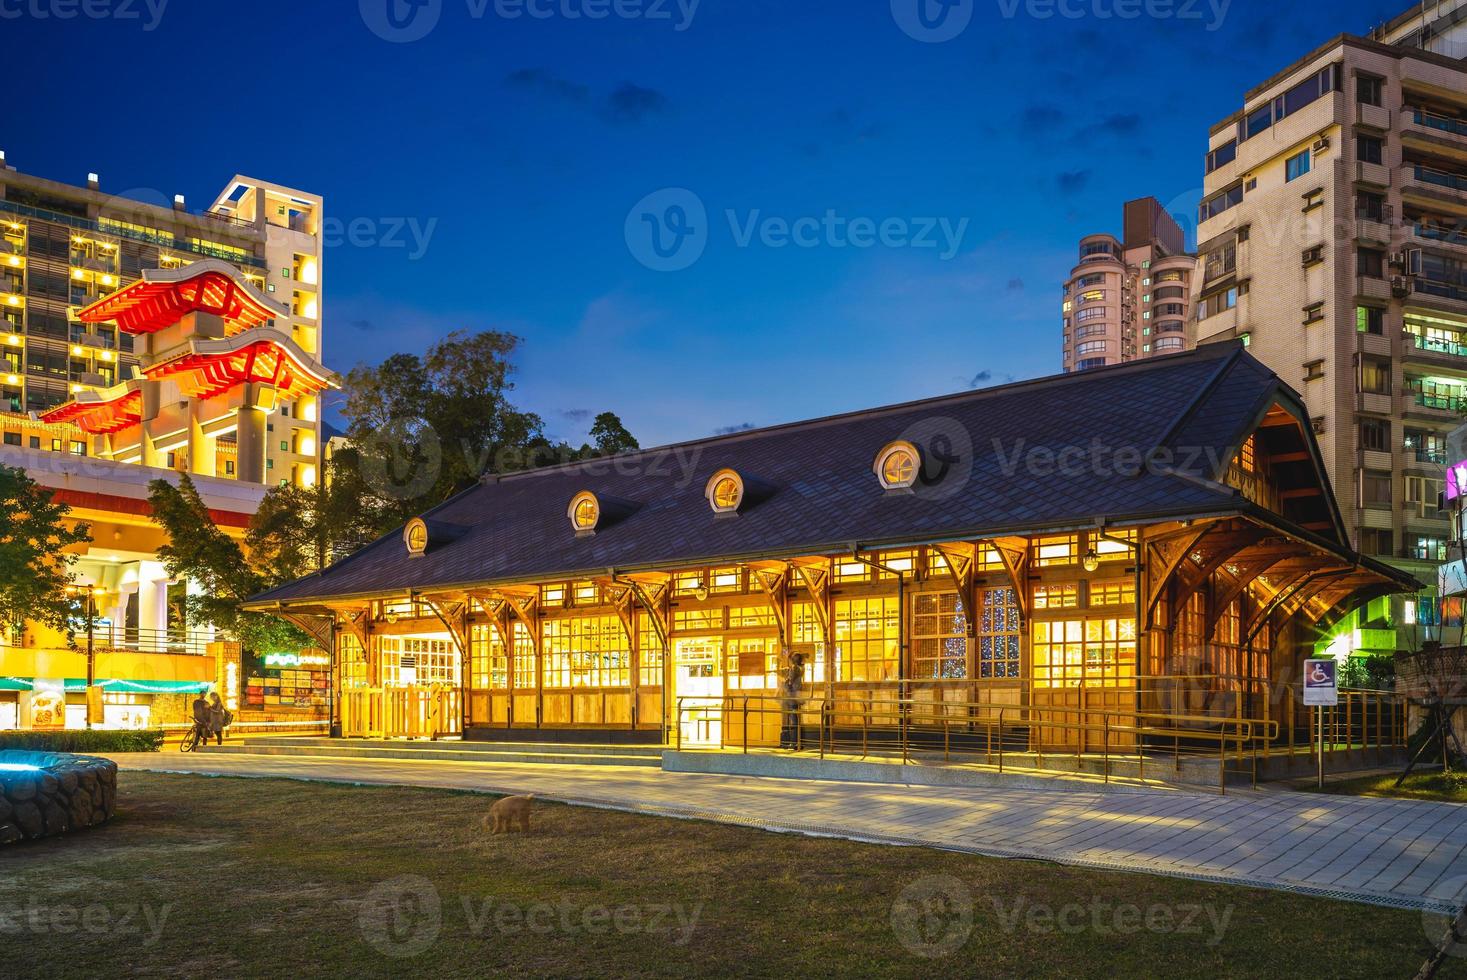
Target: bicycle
pixel 192 739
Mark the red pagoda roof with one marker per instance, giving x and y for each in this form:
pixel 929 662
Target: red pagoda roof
pixel 164 296
pixel 101 412
pixel 205 368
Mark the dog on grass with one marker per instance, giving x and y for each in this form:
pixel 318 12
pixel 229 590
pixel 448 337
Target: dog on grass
pixel 505 813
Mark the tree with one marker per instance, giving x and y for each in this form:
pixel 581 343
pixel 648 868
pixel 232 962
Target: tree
pixel 426 428
pixel 198 551
pixel 300 530
pixel 35 565
pixel 611 436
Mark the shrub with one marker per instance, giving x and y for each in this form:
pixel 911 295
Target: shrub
pixel 131 740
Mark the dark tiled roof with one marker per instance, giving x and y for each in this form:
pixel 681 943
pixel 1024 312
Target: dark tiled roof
pixel 1040 454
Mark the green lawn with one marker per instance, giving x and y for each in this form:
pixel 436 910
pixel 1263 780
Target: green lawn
pixel 223 877
pixel 1448 787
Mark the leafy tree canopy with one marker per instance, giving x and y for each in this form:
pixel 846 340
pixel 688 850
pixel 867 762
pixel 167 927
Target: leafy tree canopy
pixel 35 563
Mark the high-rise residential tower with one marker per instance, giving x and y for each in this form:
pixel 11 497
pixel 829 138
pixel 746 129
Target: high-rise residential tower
pixel 1128 297
pixel 1333 241
pixel 63 247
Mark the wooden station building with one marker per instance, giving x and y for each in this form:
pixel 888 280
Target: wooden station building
pixel 1077 540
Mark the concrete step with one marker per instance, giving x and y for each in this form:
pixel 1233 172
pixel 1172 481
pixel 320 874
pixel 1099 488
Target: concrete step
pixel 444 751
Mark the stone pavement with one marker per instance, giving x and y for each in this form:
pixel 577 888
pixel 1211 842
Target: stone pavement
pixel 1402 853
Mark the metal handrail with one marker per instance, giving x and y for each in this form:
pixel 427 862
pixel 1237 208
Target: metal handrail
pixel 1239 737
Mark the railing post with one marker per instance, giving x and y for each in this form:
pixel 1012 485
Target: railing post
pixel 1000 738
pixel 1105 744
pixel 746 724
pixel 679 723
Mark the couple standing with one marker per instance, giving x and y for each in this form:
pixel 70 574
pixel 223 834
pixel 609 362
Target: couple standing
pixel 791 692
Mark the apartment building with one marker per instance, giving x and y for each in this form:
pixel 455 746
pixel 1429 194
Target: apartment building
pixel 1128 297
pixel 63 247
pixel 1333 241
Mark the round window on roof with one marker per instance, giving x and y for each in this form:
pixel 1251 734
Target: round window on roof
pixel 897 465
pixel 725 492
pixel 585 511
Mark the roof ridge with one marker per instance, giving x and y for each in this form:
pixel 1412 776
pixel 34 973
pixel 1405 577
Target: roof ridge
pixel 1201 352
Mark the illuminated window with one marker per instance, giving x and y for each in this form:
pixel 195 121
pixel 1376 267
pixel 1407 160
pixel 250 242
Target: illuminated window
pixel 585 512
pixel 587 594
pixel 408 660
pixel 998 633
pixel 866 639
pixel 751 617
pixel 1088 652
pixel 805 630
pixel 689 583
pixel 649 653
pixel 697 620
pixel 897 465
pixel 1062 596
pixel 585 651
pixel 488 660
pixel 725 492
pixel 552 595
pixel 524 656
pixel 1115 592
pixel 726 580
pixel 1059 550
pixel 751 663
pixel 939 636
pixel 1113 545
pixel 849 570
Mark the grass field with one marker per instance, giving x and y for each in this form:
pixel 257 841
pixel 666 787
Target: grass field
pixel 223 877
pixel 1448 787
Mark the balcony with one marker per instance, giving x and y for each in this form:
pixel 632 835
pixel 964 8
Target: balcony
pixel 121 231
pixel 1436 403
pixel 1425 455
pixel 1435 133
pixel 1433 186
pixel 121 639
pixel 1436 348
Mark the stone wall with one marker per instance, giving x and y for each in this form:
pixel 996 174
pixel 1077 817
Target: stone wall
pixel 57 792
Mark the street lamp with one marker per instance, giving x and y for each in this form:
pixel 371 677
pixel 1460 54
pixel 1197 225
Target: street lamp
pixel 92 593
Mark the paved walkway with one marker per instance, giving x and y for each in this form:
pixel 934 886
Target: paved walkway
pixel 1403 853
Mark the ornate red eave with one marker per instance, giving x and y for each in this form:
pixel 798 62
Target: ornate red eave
pixel 101 412
pixel 164 296
pixel 204 368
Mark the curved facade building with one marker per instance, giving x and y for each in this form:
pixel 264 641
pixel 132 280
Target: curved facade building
pixel 1128 298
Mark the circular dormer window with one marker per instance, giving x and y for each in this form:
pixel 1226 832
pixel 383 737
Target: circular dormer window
pixel 898 465
pixel 585 511
pixel 725 492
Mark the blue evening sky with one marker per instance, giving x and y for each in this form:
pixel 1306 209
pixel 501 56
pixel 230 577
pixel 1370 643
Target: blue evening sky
pixel 571 178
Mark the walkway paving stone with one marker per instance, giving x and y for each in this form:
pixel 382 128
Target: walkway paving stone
pixel 1404 853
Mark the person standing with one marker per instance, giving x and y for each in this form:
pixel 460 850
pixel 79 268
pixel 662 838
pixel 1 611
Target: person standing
pixel 201 717
pixel 216 717
pixel 791 684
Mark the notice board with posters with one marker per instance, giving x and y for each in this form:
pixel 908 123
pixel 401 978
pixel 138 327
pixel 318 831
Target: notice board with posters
pixel 287 681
